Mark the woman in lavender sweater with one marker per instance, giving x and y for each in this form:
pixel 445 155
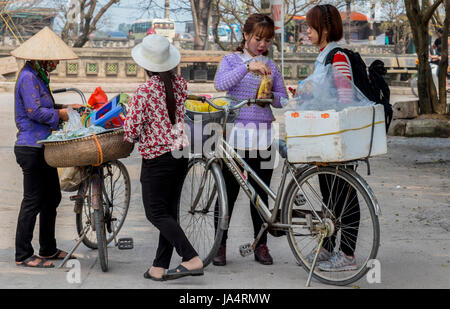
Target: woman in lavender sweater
pixel 240 75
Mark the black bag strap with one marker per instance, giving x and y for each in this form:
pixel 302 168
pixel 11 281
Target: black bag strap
pixel 330 56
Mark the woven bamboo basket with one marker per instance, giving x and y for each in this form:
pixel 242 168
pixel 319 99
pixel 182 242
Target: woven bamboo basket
pixel 90 150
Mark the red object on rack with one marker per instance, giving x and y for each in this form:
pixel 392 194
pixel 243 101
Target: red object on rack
pixel 98 98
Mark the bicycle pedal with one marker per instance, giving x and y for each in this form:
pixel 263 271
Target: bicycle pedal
pixel 125 243
pixel 245 250
pixel 300 200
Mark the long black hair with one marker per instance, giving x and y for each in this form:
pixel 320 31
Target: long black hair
pixel 167 79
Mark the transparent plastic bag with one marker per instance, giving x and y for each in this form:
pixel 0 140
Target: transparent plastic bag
pixel 327 89
pixel 74 122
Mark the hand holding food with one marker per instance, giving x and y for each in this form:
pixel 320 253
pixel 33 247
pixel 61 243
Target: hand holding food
pixel 259 68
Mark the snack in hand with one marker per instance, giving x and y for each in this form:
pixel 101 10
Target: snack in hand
pixel 265 87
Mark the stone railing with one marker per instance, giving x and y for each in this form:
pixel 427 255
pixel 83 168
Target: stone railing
pixel 116 64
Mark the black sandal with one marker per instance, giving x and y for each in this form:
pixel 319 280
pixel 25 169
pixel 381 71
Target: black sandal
pixel 148 276
pixel 57 256
pixel 26 262
pixel 182 271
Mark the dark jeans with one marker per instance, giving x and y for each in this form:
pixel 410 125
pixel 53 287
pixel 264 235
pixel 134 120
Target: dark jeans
pixel 233 188
pixel 162 181
pixel 343 198
pixel 41 195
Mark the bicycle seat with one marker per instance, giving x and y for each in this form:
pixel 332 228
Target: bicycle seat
pixel 281 146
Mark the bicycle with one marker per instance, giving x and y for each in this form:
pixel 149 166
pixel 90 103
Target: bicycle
pixel 300 210
pixel 101 204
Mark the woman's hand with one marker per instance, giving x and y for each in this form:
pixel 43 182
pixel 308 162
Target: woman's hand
pixel 74 106
pixel 259 68
pixel 62 114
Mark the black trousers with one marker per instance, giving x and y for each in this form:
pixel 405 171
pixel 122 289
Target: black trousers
pixel 344 202
pixel 259 165
pixel 162 182
pixel 41 195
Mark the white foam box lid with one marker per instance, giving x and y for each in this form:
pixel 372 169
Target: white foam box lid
pixel 330 136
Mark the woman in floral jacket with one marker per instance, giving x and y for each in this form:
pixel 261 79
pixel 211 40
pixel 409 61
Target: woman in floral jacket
pixel 156 119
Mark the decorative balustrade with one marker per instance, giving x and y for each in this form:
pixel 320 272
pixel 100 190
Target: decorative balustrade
pixel 116 64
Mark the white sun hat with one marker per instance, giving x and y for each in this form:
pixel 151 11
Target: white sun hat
pixel 156 54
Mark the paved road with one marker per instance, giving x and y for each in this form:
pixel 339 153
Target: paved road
pixel 411 183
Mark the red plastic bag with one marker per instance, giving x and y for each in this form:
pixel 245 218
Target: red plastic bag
pixel 98 98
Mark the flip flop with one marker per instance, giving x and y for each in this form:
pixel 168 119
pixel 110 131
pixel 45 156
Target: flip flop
pixel 148 276
pixel 56 256
pixel 26 262
pixel 182 271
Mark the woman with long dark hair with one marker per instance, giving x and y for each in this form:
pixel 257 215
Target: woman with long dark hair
pixel 156 120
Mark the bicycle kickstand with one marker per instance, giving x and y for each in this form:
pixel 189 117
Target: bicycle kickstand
pixel 69 254
pixel 322 237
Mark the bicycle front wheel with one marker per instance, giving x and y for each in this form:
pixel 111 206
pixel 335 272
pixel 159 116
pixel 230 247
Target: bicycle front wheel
pixel 340 200
pixel 99 221
pixel 116 200
pixel 203 212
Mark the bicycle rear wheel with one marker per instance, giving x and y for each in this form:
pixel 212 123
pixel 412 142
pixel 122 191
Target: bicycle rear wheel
pixel 116 200
pixel 347 206
pixel 203 212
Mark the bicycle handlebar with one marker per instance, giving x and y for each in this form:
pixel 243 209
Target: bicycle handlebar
pixel 83 98
pixel 230 108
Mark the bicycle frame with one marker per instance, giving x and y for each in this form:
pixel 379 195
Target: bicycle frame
pixel 235 162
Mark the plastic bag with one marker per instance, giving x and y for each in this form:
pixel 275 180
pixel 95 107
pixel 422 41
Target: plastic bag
pixel 327 89
pixel 265 87
pixel 74 122
pixel 70 178
pixel 80 132
pixel 98 98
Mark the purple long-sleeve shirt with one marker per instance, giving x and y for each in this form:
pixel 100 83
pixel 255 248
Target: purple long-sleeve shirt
pixel 35 111
pixel 233 77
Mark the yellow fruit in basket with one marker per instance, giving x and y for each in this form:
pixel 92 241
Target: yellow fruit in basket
pixel 218 102
pixel 203 107
pixel 196 106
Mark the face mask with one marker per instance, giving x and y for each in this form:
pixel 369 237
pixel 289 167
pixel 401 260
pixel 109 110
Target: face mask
pixel 49 66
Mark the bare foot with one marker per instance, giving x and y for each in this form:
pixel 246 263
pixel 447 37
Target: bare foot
pixel 193 264
pixel 156 272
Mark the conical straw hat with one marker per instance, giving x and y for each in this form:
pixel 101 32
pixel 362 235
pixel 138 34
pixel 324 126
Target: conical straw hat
pixel 44 45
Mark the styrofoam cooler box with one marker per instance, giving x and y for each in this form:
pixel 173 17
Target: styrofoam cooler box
pixel 330 136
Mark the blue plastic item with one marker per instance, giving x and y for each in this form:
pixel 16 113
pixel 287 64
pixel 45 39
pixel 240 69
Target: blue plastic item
pixel 111 115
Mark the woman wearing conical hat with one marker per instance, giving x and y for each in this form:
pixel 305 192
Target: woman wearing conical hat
pixel 36 116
